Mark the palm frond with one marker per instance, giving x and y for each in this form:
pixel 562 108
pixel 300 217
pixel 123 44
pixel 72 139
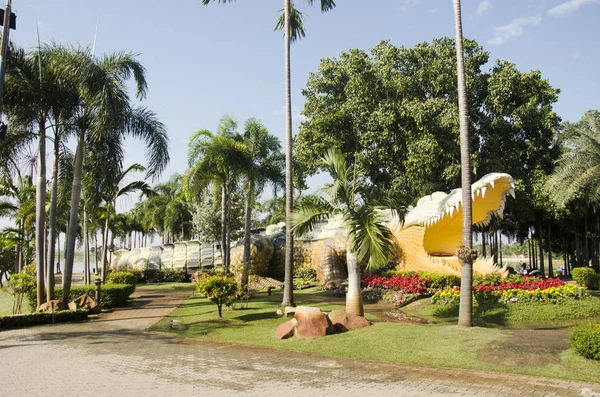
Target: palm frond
pixel 369 237
pixel 311 214
pixel 296 23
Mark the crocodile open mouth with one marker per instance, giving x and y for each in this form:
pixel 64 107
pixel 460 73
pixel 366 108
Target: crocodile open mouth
pixel 440 214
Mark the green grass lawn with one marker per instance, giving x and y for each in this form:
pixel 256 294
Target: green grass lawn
pixel 532 352
pixel 166 286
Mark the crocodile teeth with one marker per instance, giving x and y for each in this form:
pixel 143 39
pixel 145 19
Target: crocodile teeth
pixel 512 184
pixel 492 184
pixel 451 210
pixel 512 192
pixel 483 190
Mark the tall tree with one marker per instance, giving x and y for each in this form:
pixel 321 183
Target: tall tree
pixel 293 28
pixel 264 165
pixel 370 241
pixel 106 113
pixel 217 160
pixel 465 252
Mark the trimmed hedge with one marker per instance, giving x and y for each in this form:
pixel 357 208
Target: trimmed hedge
pixel 111 295
pixel 160 276
pixel 432 280
pixel 586 277
pixel 585 340
pixel 24 320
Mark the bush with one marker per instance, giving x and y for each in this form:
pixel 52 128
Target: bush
pixel 19 286
pixel 160 276
pixel 24 320
pixel 487 279
pixel 219 289
pixel 585 340
pixel 586 277
pixel 306 273
pixel 122 278
pixel 111 295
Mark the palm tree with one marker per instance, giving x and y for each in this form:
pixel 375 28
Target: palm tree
pixel 217 159
pixel 106 114
pixel 578 170
pixel 112 191
pixel 370 241
pixel 264 166
pixel 465 252
pixel 293 28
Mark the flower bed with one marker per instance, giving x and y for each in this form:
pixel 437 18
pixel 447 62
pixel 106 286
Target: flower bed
pixel 399 290
pixel 536 290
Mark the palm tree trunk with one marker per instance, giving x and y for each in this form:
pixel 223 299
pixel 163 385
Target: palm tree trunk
pixel 247 235
pixel 40 213
pixel 288 285
pixel 529 252
pixel 483 247
pixel 72 232
pixel 541 251
pixel 354 302
pixel 52 220
pixel 228 237
pixel 550 269
pixel 224 224
pixel 86 247
pixel 500 246
pixel 466 284
pixel 105 245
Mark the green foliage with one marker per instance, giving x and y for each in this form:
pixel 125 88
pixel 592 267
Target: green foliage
pixel 305 272
pixel 24 320
pixel 122 278
pixel 585 340
pixel 20 285
pixel 219 289
pixel 111 295
pixel 487 279
pixel 160 276
pixel 586 277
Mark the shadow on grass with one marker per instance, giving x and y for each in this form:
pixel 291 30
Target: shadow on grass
pixel 257 316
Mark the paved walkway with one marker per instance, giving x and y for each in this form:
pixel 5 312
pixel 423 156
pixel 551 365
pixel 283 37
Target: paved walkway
pixel 114 356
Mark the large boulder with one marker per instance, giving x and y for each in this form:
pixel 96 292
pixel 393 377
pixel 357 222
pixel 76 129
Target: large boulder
pixel 261 251
pixel 310 322
pixel 52 306
pixel 85 302
pixel 286 329
pixel 342 321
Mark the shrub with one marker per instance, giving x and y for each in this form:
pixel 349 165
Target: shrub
pixel 487 279
pixel 307 273
pixel 439 280
pixel 585 340
pixel 20 285
pixel 122 278
pixel 111 295
pixel 219 289
pixel 586 277
pixel 160 276
pixel 24 320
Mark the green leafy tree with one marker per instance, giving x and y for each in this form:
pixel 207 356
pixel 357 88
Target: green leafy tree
pixel 369 240
pixel 19 286
pixel 220 289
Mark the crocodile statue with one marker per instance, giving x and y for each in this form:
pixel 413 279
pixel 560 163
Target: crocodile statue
pixel 432 230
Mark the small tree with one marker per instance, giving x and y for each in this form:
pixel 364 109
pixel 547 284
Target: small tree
pixel 18 286
pixel 219 289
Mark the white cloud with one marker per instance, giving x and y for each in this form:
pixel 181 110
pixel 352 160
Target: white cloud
pixel 484 7
pixel 408 4
pixel 434 10
pixel 514 29
pixel 569 6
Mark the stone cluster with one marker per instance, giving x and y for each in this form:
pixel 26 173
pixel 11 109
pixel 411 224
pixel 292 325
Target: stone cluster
pixel 83 302
pixel 311 322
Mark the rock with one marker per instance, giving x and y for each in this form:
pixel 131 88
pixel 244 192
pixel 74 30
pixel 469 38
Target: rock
pixel 310 322
pixel 54 305
pixel 286 329
pixel 342 321
pixel 288 311
pixel 85 302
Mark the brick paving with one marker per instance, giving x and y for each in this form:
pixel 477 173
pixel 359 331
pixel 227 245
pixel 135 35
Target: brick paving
pixel 115 356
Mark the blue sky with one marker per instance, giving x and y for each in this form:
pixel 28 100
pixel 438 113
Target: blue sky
pixel 205 61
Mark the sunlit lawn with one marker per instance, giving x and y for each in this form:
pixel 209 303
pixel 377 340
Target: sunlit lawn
pixel 6 304
pixel 431 345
